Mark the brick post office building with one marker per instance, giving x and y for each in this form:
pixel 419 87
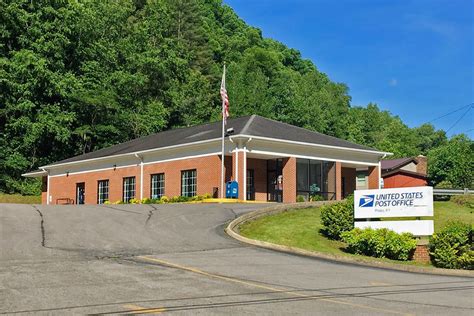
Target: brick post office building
pixel 275 162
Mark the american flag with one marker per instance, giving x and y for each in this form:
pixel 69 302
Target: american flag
pixel 225 99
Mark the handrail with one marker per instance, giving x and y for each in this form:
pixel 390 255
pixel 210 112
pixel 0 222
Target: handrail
pixel 452 191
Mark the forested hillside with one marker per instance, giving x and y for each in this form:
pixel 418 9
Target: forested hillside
pixel 76 76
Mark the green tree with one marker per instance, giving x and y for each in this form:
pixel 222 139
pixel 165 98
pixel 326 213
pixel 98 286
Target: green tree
pixel 77 76
pixel 453 162
pixel 429 138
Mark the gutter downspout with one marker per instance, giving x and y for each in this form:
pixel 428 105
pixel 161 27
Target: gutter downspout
pixel 380 171
pixel 244 174
pixel 141 175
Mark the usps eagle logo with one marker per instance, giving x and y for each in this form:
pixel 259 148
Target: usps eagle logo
pixel 367 201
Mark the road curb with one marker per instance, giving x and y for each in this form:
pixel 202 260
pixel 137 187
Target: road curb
pixel 232 230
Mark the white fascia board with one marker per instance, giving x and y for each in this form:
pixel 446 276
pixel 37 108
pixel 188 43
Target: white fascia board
pixel 129 154
pixel 35 174
pixel 91 170
pixel 184 157
pixel 378 153
pixel 271 153
pixel 135 165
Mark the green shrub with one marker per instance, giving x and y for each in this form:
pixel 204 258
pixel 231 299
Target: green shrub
pixel 184 199
pixel 134 201
pixel 466 260
pixel 152 201
pixel 380 243
pixel 315 198
pixel 463 200
pixel 300 199
pixel 451 248
pixel 164 199
pixel 207 196
pixel 179 199
pixel 199 197
pixel 337 218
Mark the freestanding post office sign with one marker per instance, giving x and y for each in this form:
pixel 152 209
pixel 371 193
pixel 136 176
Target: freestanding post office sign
pixel 399 202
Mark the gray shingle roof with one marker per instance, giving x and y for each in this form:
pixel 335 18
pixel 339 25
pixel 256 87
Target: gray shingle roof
pixel 253 125
pixel 389 164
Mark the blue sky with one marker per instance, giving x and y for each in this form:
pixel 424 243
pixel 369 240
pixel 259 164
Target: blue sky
pixel 413 58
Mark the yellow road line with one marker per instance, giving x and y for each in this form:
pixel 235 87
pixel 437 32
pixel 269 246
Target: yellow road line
pixel 135 310
pixel 256 285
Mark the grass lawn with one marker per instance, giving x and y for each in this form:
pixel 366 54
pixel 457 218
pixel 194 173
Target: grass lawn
pixel 446 211
pixel 300 228
pixel 21 199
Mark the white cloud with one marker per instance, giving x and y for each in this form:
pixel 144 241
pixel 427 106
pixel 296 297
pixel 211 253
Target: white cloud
pixel 393 82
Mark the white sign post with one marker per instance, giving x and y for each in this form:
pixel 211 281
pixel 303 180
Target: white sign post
pixel 399 202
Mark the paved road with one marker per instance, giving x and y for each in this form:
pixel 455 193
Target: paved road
pixel 177 259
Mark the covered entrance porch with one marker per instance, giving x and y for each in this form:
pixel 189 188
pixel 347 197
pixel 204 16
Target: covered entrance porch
pixel 279 177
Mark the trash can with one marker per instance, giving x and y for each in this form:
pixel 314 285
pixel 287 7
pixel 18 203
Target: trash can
pixel 232 190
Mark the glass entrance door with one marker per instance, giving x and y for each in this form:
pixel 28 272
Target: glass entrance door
pixel 250 185
pixel 80 193
pixel 275 180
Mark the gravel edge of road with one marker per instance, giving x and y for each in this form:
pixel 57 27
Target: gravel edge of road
pixel 232 230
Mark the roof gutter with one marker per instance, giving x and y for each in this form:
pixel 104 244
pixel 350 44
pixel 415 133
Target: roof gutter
pixel 317 145
pixel 35 174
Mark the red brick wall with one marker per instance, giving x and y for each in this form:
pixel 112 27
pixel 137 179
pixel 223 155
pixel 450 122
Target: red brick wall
pixel 208 177
pixel 421 254
pixel 338 178
pixel 227 167
pixel 403 181
pixel 208 174
pixel 373 177
pixel 422 166
pixel 62 187
pixel 349 175
pixel 289 180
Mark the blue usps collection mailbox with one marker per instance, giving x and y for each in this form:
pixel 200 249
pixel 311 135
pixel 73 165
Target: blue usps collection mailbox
pixel 232 190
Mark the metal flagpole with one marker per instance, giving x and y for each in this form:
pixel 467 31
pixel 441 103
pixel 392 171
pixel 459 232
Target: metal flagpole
pixel 223 135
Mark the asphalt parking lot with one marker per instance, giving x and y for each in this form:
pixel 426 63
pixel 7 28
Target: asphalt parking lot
pixel 177 259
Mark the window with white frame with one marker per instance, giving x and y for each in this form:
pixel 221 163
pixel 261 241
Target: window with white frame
pixel 157 185
pixel 128 189
pixel 102 191
pixel 188 183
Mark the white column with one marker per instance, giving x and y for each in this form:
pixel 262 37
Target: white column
pixel 236 165
pixel 141 180
pixel 380 175
pixel 47 188
pixel 244 175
